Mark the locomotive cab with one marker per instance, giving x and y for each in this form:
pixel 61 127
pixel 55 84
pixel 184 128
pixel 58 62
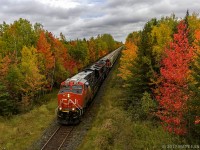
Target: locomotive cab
pixel 71 101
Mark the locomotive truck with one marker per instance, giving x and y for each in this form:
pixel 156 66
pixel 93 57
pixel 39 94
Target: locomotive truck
pixel 78 91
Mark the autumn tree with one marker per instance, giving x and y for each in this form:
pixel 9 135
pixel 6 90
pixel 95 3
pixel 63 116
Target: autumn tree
pixel 162 34
pixel 10 80
pixel 126 61
pixel 134 38
pixel 46 58
pixel 33 80
pixel 91 46
pixel 65 65
pixel 16 35
pixel 33 60
pixel 6 104
pixel 100 47
pixel 173 90
pixel 192 22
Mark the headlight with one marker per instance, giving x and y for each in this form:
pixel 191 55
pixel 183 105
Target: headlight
pixel 68 95
pixel 73 109
pixel 60 108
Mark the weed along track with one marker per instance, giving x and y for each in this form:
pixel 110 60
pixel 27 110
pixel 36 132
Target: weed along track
pixel 59 138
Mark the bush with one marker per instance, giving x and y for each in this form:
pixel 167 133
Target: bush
pixel 148 105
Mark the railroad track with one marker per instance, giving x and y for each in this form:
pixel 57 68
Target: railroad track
pixel 59 138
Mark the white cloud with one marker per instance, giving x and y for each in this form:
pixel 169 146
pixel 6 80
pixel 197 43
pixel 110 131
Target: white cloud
pixel 60 3
pixel 86 18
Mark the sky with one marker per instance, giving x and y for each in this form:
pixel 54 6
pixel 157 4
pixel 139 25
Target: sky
pixel 87 18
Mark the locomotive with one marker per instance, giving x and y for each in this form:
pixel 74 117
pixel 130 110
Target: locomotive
pixel 78 91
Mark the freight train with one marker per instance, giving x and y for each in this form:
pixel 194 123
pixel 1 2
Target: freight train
pixel 78 91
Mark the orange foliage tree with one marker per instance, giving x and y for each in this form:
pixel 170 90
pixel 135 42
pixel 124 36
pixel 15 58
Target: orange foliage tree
pixel 126 61
pixel 4 66
pixel 64 64
pixel 46 58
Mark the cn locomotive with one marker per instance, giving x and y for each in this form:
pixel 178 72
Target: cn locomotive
pixel 78 91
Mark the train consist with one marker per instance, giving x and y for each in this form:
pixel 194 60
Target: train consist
pixel 78 91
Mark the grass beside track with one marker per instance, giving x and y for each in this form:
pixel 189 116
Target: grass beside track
pixel 19 132
pixel 113 128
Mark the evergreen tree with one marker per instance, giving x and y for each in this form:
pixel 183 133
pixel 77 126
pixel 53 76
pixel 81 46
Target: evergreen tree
pixel 80 52
pixel 143 67
pixel 193 115
pixel 6 103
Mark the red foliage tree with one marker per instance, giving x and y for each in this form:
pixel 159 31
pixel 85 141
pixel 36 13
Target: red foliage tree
pixel 173 90
pixel 61 54
pixel 46 59
pixel 44 48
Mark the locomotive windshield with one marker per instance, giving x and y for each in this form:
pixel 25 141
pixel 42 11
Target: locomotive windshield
pixel 77 89
pixel 64 88
pixel 74 89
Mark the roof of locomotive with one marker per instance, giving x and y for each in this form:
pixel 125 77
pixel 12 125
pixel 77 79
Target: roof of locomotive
pixel 80 77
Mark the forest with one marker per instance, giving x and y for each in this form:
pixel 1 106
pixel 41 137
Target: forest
pixel 160 69
pixel 33 61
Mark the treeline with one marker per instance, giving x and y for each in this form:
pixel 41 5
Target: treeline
pixel 33 61
pixel 160 69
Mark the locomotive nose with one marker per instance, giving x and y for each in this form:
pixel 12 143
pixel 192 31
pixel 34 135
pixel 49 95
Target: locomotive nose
pixel 68 102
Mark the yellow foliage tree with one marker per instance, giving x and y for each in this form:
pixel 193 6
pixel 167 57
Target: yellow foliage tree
pixel 126 61
pixel 162 33
pixel 33 80
pixel 194 25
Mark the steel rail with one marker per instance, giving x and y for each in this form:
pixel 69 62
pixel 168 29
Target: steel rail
pixel 57 132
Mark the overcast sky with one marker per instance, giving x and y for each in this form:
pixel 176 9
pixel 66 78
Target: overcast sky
pixel 87 18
